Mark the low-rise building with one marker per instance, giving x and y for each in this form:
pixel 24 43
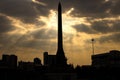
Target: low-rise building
pixel 111 58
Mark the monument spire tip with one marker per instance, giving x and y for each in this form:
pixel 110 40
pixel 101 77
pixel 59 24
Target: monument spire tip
pixel 59 3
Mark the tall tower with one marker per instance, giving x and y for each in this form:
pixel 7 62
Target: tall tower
pixel 61 59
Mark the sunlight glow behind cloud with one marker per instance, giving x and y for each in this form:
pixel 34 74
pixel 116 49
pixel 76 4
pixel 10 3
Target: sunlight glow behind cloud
pixel 38 2
pixel 68 21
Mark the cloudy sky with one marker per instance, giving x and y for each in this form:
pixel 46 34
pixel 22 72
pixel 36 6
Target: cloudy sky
pixel 29 27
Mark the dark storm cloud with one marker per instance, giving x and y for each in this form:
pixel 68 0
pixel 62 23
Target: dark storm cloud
pixel 44 34
pixel 40 39
pixel 111 38
pixel 21 9
pixel 51 4
pixel 116 26
pixel 4 40
pixel 28 11
pixel 104 26
pixel 5 25
pixel 99 27
pixel 36 39
pixel 116 7
pixel 95 28
pixel 82 7
pixel 37 44
pixel 84 28
pixel 94 8
pixel 8 41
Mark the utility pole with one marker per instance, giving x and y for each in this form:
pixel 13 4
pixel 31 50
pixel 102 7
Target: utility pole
pixel 92 45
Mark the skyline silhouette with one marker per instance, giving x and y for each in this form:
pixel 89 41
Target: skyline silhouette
pixel 29 30
pixel 56 66
pixel 59 59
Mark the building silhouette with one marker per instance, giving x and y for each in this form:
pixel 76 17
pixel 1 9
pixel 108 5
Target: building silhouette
pixel 26 66
pixel 109 59
pixel 30 66
pixel 9 61
pixel 49 60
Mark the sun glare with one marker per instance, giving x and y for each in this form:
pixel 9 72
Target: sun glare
pixel 67 21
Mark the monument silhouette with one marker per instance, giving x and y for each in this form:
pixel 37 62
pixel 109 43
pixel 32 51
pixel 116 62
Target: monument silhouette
pixel 60 56
pixel 59 59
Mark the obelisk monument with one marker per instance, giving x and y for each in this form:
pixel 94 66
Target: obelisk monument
pixel 61 59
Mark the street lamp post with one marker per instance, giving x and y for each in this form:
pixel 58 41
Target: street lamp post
pixel 92 45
